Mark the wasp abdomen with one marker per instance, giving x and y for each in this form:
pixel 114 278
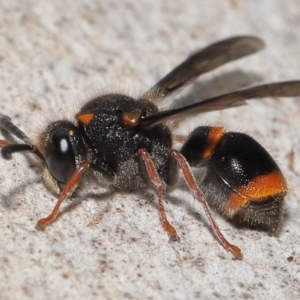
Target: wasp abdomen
pixel 242 179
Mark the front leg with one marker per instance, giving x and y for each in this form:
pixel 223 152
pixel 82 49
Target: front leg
pixel 66 192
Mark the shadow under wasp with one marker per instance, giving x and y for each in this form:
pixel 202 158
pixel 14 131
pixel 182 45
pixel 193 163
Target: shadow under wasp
pixel 127 145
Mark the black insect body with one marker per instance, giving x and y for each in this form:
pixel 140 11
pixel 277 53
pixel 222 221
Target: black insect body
pixel 126 143
pixel 242 179
pixel 106 129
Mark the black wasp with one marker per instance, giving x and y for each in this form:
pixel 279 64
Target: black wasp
pixel 126 143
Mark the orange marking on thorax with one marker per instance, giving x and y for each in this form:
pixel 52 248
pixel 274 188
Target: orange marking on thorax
pixel 131 119
pixel 85 118
pixel 214 137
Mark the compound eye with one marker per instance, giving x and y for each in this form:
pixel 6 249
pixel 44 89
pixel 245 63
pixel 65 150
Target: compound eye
pixel 60 156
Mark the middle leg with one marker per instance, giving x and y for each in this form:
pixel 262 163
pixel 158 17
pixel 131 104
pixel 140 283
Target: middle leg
pixel 159 187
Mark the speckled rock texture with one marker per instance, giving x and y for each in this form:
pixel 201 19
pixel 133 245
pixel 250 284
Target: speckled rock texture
pixel 53 54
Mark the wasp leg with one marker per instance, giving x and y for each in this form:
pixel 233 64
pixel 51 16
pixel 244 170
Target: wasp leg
pixel 197 194
pixel 66 192
pixel 159 187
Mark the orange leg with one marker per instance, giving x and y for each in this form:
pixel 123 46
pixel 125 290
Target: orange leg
pixel 159 187
pixel 197 194
pixel 66 192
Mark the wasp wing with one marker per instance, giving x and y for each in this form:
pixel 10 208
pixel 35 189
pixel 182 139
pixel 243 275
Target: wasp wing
pixel 237 98
pixel 201 62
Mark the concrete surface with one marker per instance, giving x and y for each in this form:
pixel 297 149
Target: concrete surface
pixel 113 246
